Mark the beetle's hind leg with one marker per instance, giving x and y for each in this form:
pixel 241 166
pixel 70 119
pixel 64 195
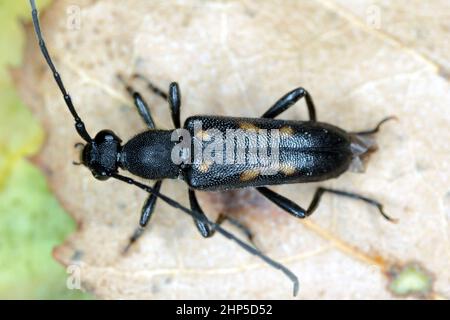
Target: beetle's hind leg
pixel 206 231
pixel 288 100
pixel 147 211
pixel 297 211
pixel 377 127
pixel 173 97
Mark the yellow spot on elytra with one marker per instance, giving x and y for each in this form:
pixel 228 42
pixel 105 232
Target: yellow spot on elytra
pixel 204 166
pixel 248 126
pixel 248 175
pixel 287 169
pixel 287 131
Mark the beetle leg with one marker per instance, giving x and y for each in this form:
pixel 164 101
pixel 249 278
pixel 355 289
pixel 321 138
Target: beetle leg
pixel 377 128
pixel 244 229
pixel 202 227
pixel 288 100
pixel 174 97
pixel 147 210
pixel 151 86
pixel 206 231
pixel 219 229
pixel 140 104
pixel 175 103
pixel 299 212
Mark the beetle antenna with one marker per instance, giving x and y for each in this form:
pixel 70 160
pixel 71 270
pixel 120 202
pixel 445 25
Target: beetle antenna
pixel 216 227
pixel 79 125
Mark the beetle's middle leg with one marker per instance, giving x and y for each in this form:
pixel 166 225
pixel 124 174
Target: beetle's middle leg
pixel 206 231
pixel 297 211
pixel 288 100
pixel 147 211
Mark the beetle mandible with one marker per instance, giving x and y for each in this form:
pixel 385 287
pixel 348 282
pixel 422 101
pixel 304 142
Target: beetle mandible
pixel 307 151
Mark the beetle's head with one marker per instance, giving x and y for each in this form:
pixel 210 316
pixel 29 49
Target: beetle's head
pixel 101 155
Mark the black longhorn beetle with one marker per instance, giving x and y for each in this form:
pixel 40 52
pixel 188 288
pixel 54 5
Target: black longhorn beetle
pixel 308 151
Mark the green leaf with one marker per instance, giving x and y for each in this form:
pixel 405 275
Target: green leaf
pixel 31 224
pixel 411 280
pixel 31 221
pixel 12 34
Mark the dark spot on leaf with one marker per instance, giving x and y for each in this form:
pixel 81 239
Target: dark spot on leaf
pixel 77 256
pixel 122 205
pixel 421 166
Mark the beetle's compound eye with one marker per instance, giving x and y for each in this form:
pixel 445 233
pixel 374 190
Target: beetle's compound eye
pixel 101 177
pixel 106 136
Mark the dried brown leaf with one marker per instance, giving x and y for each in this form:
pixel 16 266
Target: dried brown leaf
pixel 420 26
pixel 236 58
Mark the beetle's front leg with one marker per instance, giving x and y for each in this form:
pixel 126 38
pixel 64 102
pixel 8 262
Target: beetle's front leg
pixel 288 100
pixel 174 97
pixel 297 211
pixel 147 211
pixel 206 231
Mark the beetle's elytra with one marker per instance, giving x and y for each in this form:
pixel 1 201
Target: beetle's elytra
pixel 261 152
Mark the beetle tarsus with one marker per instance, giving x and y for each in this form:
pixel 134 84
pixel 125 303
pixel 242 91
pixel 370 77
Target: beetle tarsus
pixel 206 231
pixel 156 90
pixel 377 127
pixel 140 104
pixel 297 211
pixel 136 235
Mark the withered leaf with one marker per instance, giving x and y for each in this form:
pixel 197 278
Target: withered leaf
pixel 236 58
